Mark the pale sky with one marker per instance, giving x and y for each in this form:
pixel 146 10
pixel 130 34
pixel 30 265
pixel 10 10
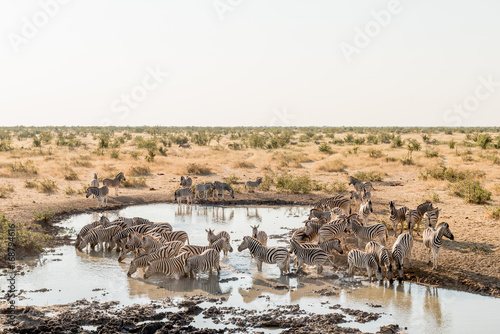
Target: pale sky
pixel 250 63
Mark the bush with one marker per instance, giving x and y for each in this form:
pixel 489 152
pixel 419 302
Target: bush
pixel 471 191
pixel 196 169
pixel 368 176
pixel 299 184
pixel 114 154
pixel 396 142
pixel 28 167
pixel 433 153
pixel 338 187
pixel 407 161
pixel 69 191
pixel 233 179
pixel 5 191
pixel 452 143
pixel 450 174
pixel 71 176
pixel 431 197
pixel 47 186
pixel 325 148
pixel 44 216
pixel 244 164
pixel 332 166
pixel 257 141
pixel 375 153
pixel 134 182
pixel 483 140
pixel 139 170
pixel 267 182
pixel 24 239
pixel 493 212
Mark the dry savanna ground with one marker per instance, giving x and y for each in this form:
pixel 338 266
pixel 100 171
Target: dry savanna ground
pixel 301 167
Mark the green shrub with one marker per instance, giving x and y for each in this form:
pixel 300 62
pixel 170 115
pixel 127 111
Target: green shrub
pixel 28 167
pixel 233 179
pixel 471 191
pixel 114 154
pixel 452 143
pixel 396 142
pixel 69 191
pixel 71 175
pixel 299 184
pixel 338 187
pixel 431 197
pixel 5 191
pixel 493 212
pixel 24 239
pixel 325 148
pixel 375 153
pixel 44 216
pixel 46 186
pixel 196 169
pixel 368 176
pixel 257 141
pixel 432 153
pixel 450 174
pixel 267 182
pixel 407 161
pixel 483 140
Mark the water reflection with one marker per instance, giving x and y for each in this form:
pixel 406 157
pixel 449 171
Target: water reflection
pixel 253 214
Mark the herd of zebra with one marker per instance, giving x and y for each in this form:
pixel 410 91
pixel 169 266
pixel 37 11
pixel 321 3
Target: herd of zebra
pixel 158 248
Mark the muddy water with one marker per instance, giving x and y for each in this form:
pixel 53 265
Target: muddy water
pixel 70 275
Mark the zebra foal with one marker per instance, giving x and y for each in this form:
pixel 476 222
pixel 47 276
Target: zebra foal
pixel 272 255
pixel 433 240
pixel 365 209
pixel 259 235
pixel 114 183
pixel 99 193
pixel 398 216
pixel 203 262
pixel 186 193
pixel 95 181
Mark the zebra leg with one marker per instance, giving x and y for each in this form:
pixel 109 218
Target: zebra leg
pixel 259 264
pixel 369 270
pixel 436 256
pixel 319 269
pixel 428 257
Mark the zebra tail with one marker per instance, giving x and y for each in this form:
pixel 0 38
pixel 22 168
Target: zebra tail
pixel 188 240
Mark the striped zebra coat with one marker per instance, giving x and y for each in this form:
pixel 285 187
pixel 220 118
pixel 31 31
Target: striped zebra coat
pixel 433 240
pixel 310 256
pixel 382 256
pixel 166 236
pixel 95 181
pixel 203 262
pixel 431 217
pixel 186 182
pixel 169 250
pixel 272 255
pixel 85 230
pixel 338 201
pixel 99 236
pixel 212 237
pixel 334 230
pixel 362 260
pixel 222 187
pixel 414 217
pixel 119 238
pixel 203 188
pixel 219 245
pixel 168 266
pixel 398 216
pixel 315 213
pixel 367 233
pixel 148 242
pixel 401 250
pixel 365 210
pixel 184 193
pixel 99 193
pixel 259 235
pixel 114 183
pixel 253 184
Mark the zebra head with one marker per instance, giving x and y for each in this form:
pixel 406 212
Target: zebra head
pixel 104 221
pixel 446 230
pixel 378 273
pixel 370 205
pixel 255 229
pixel 90 191
pixel 244 244
pixel 335 244
pixel 183 180
pixel 226 245
pixel 121 176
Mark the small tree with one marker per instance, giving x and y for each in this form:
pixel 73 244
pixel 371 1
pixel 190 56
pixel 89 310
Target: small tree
pixel 413 145
pixel 483 140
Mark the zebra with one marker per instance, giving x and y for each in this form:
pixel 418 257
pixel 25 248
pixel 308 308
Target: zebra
pixel 356 199
pixel 358 185
pixel 186 193
pixel 203 187
pixel 203 262
pixel 99 236
pixel 271 255
pixel 337 201
pixel 85 230
pixel 415 216
pixel 365 210
pixel 430 218
pixel 366 195
pixel 259 235
pixel 362 260
pixel 184 145
pixel 401 250
pixel 169 250
pixel 114 183
pixel 218 245
pixel 141 221
pixel 161 227
pixel 328 246
pixel 315 213
pixel 253 184
pixel 433 240
pixel 99 193
pixel 117 238
pixel 382 256
pixel 95 181
pixel 398 216
pixel 312 229
pixel 170 267
pixel 310 256
pixel 301 236
pixel 332 231
pixel 212 237
pixel 186 182
pixel 367 232
pixel 148 242
pixel 222 187
pixel 166 236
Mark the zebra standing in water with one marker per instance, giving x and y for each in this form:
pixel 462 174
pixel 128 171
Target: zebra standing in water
pixel 186 193
pixel 95 181
pixel 338 201
pixel 365 210
pixel 362 260
pixel 271 255
pixel 433 240
pixel 398 216
pixel 203 187
pixel 222 187
pixel 114 183
pixel 259 235
pixel 219 245
pixel 99 193
pixel 203 262
pixel 401 250
pixel 169 250
pixel 253 184
pixel 382 256
pixel 170 267
pixel 186 182
pixel 333 231
pixel 367 232
pixel 310 256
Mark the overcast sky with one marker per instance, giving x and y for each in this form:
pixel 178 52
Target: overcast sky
pixel 250 63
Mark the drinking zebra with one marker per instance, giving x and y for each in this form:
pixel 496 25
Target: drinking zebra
pixel 367 233
pixel 382 256
pixel 99 193
pixel 316 213
pixel 186 182
pixel 148 242
pixel 168 236
pixel 203 262
pixel 433 240
pixel 95 181
pixel 333 230
pixel 362 260
pixel 253 184
pixel 365 210
pixel 118 237
pixel 272 255
pixel 85 230
pixel 259 235
pixel 219 245
pixel 203 187
pixel 301 236
pixel 222 187
pixel 114 183
pixel 169 250
pixel 170 267
pixel 398 216
pixel 401 250
pixel 338 201
pixel 99 236
pixel 186 193
pixel 310 256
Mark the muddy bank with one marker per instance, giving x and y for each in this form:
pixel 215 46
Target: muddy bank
pixel 167 316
